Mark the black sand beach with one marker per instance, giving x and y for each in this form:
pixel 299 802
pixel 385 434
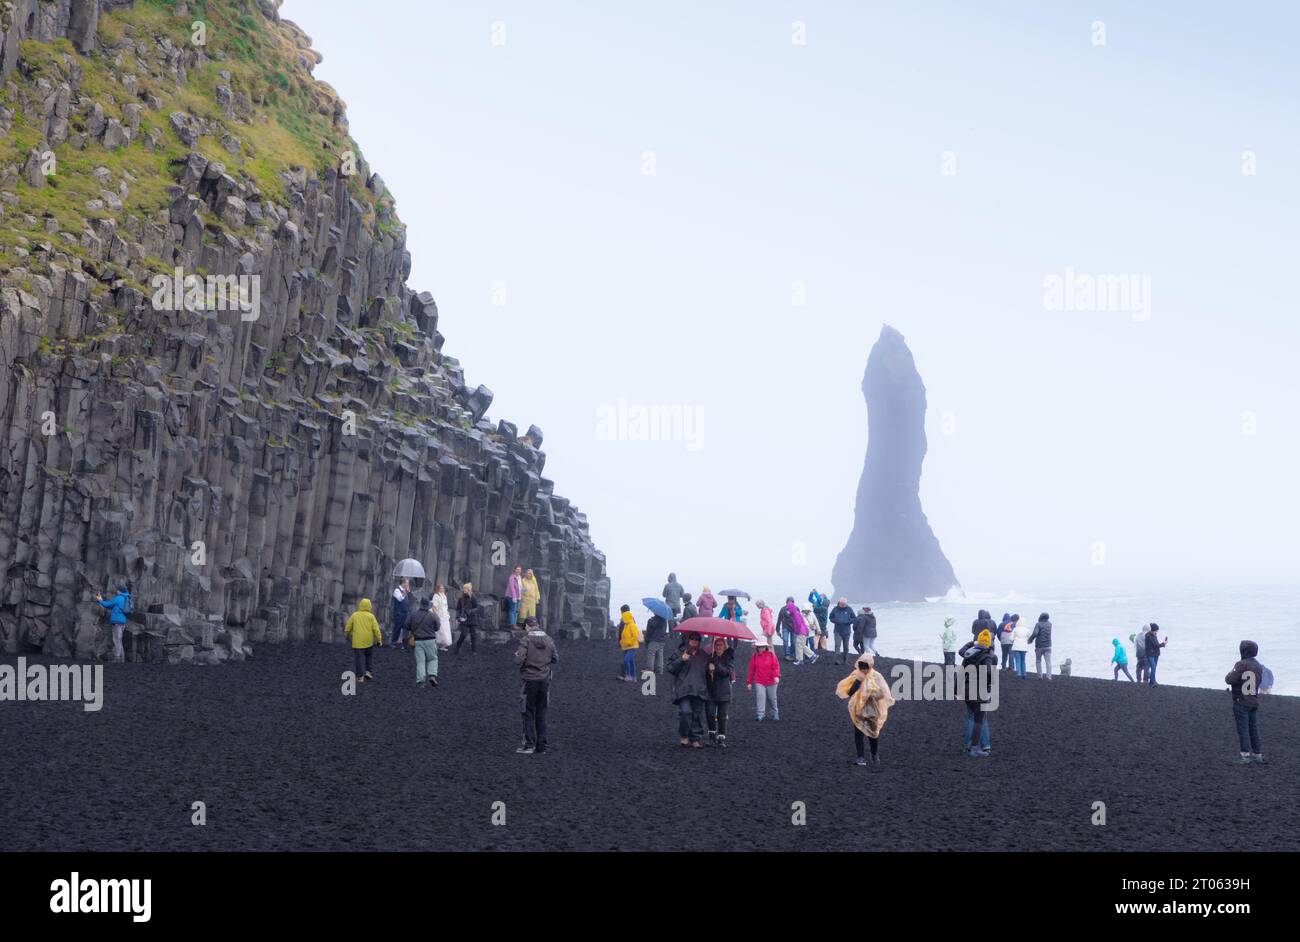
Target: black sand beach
pixel 283 761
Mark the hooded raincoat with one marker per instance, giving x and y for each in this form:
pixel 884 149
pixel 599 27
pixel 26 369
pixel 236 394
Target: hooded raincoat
pixel 869 698
pixel 362 627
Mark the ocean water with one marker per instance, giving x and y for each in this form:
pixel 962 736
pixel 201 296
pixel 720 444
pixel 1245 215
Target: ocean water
pixel 1204 625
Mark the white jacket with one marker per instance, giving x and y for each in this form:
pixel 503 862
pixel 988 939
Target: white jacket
pixel 1020 637
pixel 444 618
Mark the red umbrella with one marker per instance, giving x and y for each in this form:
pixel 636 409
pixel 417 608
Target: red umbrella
pixel 716 628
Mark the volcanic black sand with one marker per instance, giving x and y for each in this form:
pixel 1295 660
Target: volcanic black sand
pixel 284 761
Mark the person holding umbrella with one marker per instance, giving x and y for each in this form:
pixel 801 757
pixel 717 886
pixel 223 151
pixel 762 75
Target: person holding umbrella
pixel 721 675
pixel 401 611
pixel 656 631
pixel 690 689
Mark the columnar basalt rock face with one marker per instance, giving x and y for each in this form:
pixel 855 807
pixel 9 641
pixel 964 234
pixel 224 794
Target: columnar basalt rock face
pixel 892 554
pixel 252 474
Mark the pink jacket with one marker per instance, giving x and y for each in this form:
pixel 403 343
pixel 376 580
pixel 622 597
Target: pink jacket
pixel 764 668
pixel 765 620
pixel 706 603
pixel 514 588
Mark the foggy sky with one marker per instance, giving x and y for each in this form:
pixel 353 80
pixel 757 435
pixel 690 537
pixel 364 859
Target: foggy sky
pixel 1169 442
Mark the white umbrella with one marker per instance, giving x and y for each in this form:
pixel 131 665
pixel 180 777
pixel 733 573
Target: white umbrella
pixel 408 569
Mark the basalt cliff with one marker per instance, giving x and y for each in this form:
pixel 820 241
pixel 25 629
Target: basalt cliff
pixel 892 554
pixel 218 385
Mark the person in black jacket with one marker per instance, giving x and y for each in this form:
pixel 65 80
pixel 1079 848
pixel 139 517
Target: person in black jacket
pixel 688 607
pixel 864 632
pixel 984 622
pixel 842 617
pixel 785 626
pixel 1042 638
pixel 467 617
pixel 656 630
pixel 1154 644
pixel 977 654
pixel 721 674
pixel 424 626
pixel 689 667
pixel 1246 680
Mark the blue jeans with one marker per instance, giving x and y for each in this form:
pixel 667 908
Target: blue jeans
pixel 1019 657
pixel 512 611
pixel 1151 670
pixel 972 710
pixel 629 662
pixel 1247 718
pixel 787 642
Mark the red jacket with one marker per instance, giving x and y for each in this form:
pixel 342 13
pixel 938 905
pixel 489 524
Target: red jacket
pixel 764 668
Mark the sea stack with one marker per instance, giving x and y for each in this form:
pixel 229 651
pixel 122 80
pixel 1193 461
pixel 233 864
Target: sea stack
pixel 892 554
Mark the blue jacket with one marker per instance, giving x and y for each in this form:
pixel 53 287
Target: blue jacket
pixel 732 615
pixel 117 608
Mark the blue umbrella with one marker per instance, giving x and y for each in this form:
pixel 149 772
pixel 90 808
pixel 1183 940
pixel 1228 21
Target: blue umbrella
pixel 659 607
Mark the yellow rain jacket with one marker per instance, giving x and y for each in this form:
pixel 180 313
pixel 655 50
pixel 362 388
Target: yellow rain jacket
pixel 362 627
pixel 630 639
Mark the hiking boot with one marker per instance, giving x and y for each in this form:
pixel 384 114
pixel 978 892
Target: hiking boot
pixel 875 763
pixel 977 754
pixel 525 750
pixel 986 750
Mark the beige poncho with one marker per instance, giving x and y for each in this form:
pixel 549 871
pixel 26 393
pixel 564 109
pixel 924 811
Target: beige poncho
pixel 869 706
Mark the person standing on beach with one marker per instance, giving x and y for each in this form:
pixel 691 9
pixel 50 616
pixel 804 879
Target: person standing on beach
pixel 842 617
pixel 721 675
pixel 869 701
pixel 983 622
pixel 656 631
pixel 689 668
pixel 766 622
pixel 536 655
pixel 864 632
pixel 467 617
pixel 977 654
pixel 821 608
pixel 1154 644
pixel 363 629
pixel 1247 680
pixel 949 639
pixel 439 608
pixel 1120 659
pixel 706 603
pixel 785 626
pixel 811 633
pixel 629 639
pixel 424 627
pixel 1140 651
pixel 1006 629
pixel 765 674
pixel 688 607
pixel 1041 636
pixel 673 594
pixel 401 611
pixel 1020 636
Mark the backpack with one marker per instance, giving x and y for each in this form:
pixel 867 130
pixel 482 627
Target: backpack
pixel 126 605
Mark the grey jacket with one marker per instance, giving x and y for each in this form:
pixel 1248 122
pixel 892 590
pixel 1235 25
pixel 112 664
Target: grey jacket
pixel 535 655
pixel 424 625
pixel 1041 635
pixel 690 678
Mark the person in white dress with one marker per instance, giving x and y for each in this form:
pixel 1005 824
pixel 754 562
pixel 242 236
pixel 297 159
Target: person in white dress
pixel 444 617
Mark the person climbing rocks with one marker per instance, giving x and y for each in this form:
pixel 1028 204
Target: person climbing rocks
pixel 864 632
pixel 977 654
pixel 706 603
pixel 468 614
pixel 673 592
pixel 401 611
pixel 629 639
pixel 721 674
pixel 444 617
pixel 1153 644
pixel 536 656
pixel 532 597
pixel 1041 636
pixel 363 628
pixel 119 606
pixel 424 626
pixel 949 639
pixel 1120 659
pixel 1247 682
pixel 656 633
pixel 514 595
pixel 764 676
pixel 689 667
pixel 843 618
pixel 869 701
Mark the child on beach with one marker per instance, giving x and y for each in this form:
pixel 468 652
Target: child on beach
pixel 629 640
pixel 765 671
pixel 869 701
pixel 1247 681
pixel 1120 659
